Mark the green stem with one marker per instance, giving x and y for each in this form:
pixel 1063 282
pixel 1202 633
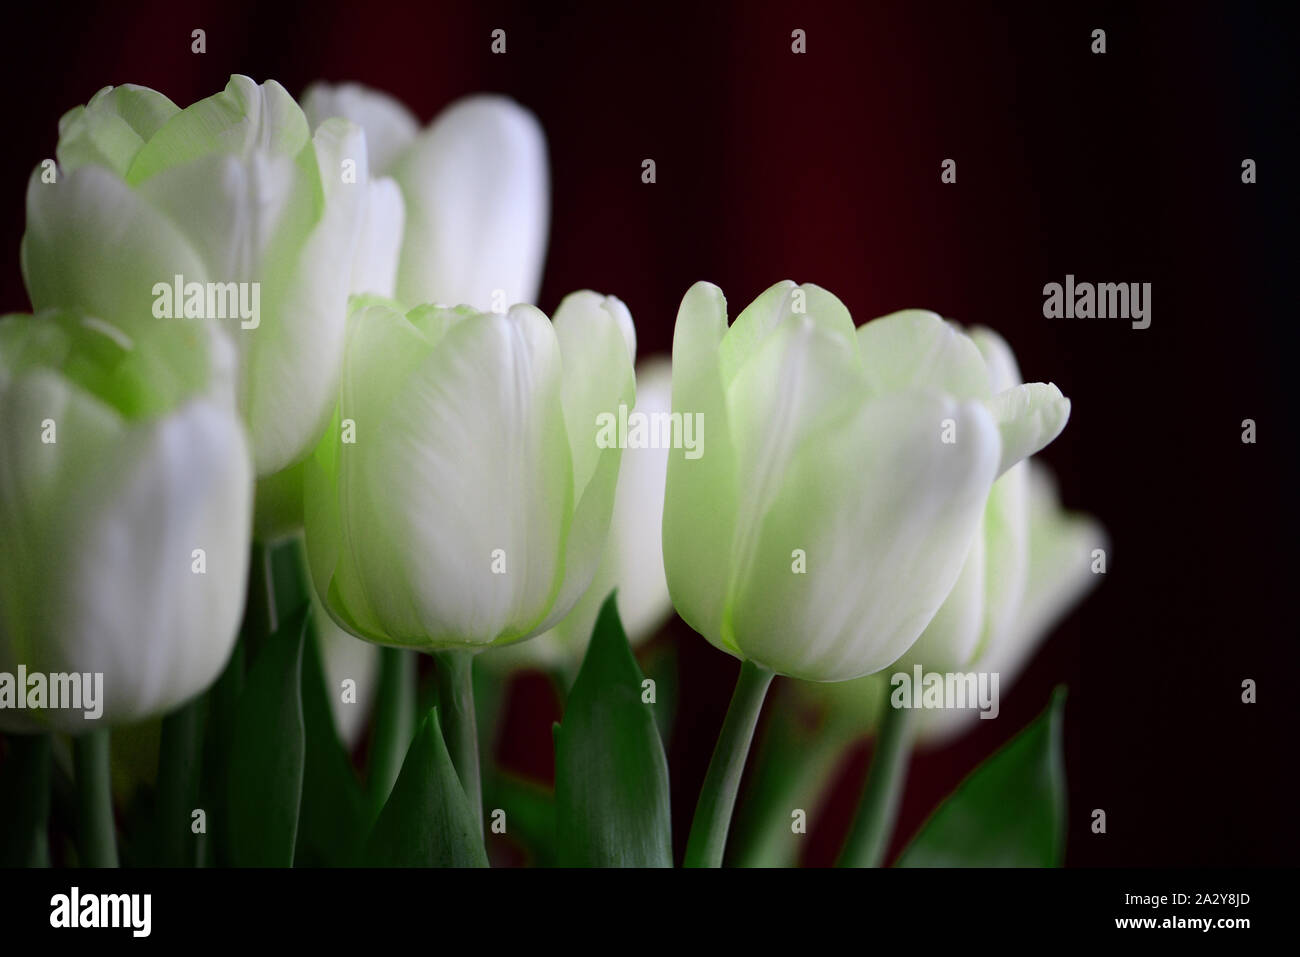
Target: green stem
pixel 178 779
pixel 456 713
pixel 96 841
pixel 718 796
pixel 869 838
pixel 394 723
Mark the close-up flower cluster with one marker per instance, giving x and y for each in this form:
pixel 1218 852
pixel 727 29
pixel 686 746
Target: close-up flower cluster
pixel 306 334
pixel 568 437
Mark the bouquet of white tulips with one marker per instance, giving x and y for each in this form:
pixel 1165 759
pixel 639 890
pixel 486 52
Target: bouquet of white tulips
pixel 295 473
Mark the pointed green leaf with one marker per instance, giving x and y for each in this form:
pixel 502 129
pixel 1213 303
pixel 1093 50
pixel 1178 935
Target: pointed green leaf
pixel 427 821
pixel 1010 811
pixel 264 778
pixel 611 776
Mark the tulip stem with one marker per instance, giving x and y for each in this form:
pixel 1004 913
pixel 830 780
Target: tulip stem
pixel 708 837
pixel 96 840
pixel 869 838
pixel 395 706
pixel 459 728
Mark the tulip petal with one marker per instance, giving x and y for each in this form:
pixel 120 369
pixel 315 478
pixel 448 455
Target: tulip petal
pixel 125 600
pixel 241 120
pixel 293 359
pixel 94 244
pixel 950 639
pixel 598 346
pixel 918 349
pixel 1006 562
pixel 379 245
pixel 784 301
pixel 470 471
pixel 1004 371
pixel 477 206
pixel 1029 417
pixel 801 377
pixel 390 126
pixel 885 512
pixel 700 497
pixel 112 128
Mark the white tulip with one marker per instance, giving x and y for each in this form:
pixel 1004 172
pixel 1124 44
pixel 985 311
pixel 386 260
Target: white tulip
pixel 460 498
pixel 125 509
pixel 234 196
pixel 843 479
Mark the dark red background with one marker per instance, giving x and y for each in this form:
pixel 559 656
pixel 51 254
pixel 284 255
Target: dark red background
pixel 825 168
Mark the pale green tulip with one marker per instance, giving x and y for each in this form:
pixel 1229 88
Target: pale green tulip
pixel 231 190
pixel 633 562
pixel 474 187
pixel 460 498
pixel 125 507
pixel 864 456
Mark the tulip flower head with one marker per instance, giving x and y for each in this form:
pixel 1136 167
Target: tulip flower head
pixel 125 507
pixel 845 480
pixel 460 498
pixel 229 212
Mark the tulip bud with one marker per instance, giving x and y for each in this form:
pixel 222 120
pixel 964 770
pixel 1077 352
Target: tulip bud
pixel 125 506
pixel 228 212
pixel 474 185
pixel 844 479
pixel 633 561
pixel 460 498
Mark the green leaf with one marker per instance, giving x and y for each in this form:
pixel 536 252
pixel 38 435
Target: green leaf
pixel 1010 811
pixel 333 818
pixel 611 776
pixel 265 774
pixel 427 821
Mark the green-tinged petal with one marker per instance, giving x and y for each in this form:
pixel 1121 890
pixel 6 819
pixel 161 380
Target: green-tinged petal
pixel 292 359
pixel 1029 417
pixel 457 499
pixel 918 349
pixel 1006 561
pixel 1004 371
pixel 884 511
pixel 107 497
pixel 950 639
pixel 242 120
pixel 700 498
pixel 632 561
pixel 801 377
pixel 390 127
pixel 1058 576
pixel 1061 546
pixel 597 347
pixel 477 206
pixel 94 244
pixel 112 128
pixel 784 301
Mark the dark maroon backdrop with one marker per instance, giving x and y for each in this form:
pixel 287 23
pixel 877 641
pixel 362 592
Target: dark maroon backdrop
pixel 825 167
